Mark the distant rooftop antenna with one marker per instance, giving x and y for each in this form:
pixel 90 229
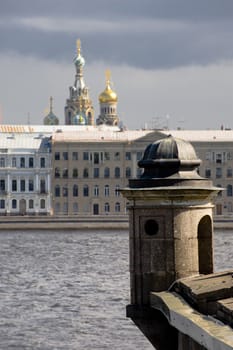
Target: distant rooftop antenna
pixel 167 121
pixel 1 114
pixel 29 121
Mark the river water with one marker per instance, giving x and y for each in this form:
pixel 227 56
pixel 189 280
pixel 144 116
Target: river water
pixel 68 290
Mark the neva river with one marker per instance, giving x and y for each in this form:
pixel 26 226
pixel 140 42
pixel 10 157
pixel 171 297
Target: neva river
pixel 68 290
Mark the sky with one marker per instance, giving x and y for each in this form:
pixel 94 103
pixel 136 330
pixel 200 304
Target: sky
pixel 171 60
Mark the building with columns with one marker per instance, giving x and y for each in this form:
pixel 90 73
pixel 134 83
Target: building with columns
pixel 79 109
pixel 25 168
pixel 78 170
pixel 90 164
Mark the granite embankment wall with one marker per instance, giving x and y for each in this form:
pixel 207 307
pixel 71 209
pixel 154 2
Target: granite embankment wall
pixel 63 223
pixel 78 223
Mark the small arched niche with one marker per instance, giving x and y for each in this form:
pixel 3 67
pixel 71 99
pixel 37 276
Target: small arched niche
pixel 205 245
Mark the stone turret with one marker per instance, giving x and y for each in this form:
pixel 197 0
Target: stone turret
pixel 171 225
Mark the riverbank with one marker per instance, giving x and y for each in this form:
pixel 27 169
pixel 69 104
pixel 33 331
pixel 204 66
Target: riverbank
pixel 79 223
pixel 63 223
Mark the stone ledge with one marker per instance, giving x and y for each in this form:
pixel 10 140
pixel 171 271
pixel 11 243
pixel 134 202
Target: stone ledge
pixel 205 330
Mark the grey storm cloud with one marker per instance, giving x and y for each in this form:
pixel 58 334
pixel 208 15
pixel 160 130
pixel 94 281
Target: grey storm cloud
pixel 149 34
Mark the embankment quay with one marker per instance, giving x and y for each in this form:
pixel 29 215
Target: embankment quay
pixel 61 223
pixel 79 223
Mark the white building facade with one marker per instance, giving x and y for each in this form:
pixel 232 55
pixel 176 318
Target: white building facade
pixel 25 168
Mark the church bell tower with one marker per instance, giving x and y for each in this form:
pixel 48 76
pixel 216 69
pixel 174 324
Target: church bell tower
pixel 79 109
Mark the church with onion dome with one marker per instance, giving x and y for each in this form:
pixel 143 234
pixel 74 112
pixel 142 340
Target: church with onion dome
pixel 79 109
pixel 51 118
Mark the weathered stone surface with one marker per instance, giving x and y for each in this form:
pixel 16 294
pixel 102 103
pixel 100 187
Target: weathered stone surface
pixel 202 332
pixel 210 294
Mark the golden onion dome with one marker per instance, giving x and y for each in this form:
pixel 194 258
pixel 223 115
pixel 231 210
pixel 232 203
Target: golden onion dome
pixel 108 95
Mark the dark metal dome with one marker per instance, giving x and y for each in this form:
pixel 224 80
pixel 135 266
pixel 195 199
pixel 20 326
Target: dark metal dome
pixel 167 157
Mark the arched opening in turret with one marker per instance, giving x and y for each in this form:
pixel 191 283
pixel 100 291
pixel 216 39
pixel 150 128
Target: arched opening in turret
pixel 205 245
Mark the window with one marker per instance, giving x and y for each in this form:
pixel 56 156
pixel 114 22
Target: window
pixel 65 155
pixel 106 172
pixel 30 162
pixel 42 162
pixel 96 158
pixel 219 158
pixel 75 191
pixel 117 191
pixel 85 173
pixel 96 172
pixel 229 155
pixel 57 156
pixel 229 172
pixel 2 185
pixel 75 173
pixel 75 156
pixel 57 191
pixel 31 204
pixel 65 208
pixel 2 204
pixel 117 207
pixel 106 190
pixel 42 186
pixel 14 185
pixel 229 207
pixel 31 185
pixel 85 191
pixel 14 204
pixel 96 190
pixel 106 207
pixel 42 204
pixel 229 190
pixel 208 156
pixel 218 173
pixel 65 173
pixel 13 162
pixel 22 162
pixel 57 208
pixel 75 207
pixel 117 172
pixel 127 155
pixel 128 172
pixel 106 156
pixel 139 155
pixel 117 156
pixel 207 173
pixel 2 162
pixel 22 185
pixel 65 191
pixel 57 172
pixel 85 156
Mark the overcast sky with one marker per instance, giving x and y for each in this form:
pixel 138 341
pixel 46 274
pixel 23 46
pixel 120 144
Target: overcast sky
pixel 171 60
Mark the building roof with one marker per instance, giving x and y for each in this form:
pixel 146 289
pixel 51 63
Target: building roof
pixel 99 134
pixel 94 133
pixel 9 141
pixel 202 135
